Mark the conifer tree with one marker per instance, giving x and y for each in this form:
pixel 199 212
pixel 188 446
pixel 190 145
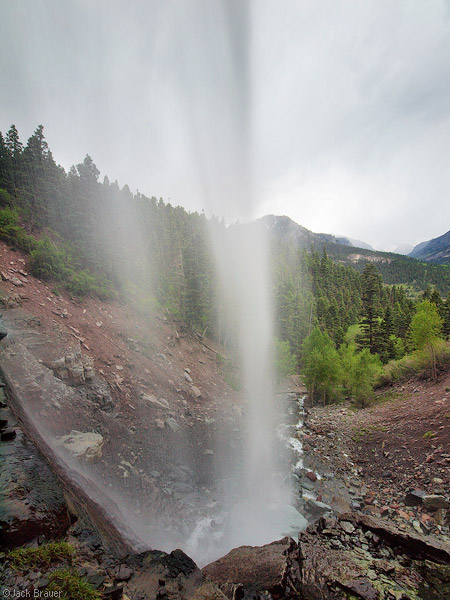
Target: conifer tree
pixel 371 289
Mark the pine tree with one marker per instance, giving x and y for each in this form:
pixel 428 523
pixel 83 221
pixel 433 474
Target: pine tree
pixel 371 289
pixel 15 148
pixel 6 181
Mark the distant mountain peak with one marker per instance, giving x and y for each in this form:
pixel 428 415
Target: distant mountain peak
pixel 436 250
pixel 283 227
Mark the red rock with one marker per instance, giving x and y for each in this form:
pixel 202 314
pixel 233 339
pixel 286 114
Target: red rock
pixel 425 518
pixel 311 475
pixel 257 568
pixel 403 514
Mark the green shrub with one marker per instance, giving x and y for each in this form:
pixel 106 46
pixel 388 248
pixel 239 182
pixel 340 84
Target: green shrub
pixel 42 555
pixel 71 586
pixel 8 218
pixel 83 283
pixel 12 233
pixel 420 363
pixel 360 372
pixel 321 366
pixel 80 284
pixel 285 361
pixel 49 262
pixel 5 198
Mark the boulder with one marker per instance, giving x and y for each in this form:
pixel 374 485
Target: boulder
pixel 253 571
pixel 173 424
pixel 162 403
pixel 317 509
pixel 161 575
pixel 74 368
pixel 434 502
pixel 414 497
pixel 311 475
pixel 85 445
pixel 195 392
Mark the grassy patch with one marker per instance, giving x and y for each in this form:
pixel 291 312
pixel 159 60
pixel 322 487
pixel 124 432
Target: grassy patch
pixel 429 434
pixel 388 395
pixel 366 433
pixel 46 554
pixel 71 586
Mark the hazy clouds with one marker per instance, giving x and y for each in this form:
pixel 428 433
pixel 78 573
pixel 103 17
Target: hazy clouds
pixel 335 113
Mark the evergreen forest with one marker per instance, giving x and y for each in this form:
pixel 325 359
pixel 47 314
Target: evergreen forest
pixel 337 320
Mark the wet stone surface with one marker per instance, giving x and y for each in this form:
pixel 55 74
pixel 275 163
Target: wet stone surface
pixel 33 503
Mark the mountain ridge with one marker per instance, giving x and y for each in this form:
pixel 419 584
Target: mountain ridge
pixel 394 268
pixel 436 250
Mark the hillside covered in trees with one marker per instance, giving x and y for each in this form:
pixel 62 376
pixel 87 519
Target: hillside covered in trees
pixel 95 237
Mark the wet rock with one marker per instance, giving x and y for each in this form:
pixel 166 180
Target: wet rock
pixel 32 503
pixel 85 445
pixel 317 509
pixel 311 475
pixel 268 569
pixel 309 487
pixel 8 434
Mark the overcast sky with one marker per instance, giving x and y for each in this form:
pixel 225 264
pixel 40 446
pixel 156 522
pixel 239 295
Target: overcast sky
pixel 334 113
